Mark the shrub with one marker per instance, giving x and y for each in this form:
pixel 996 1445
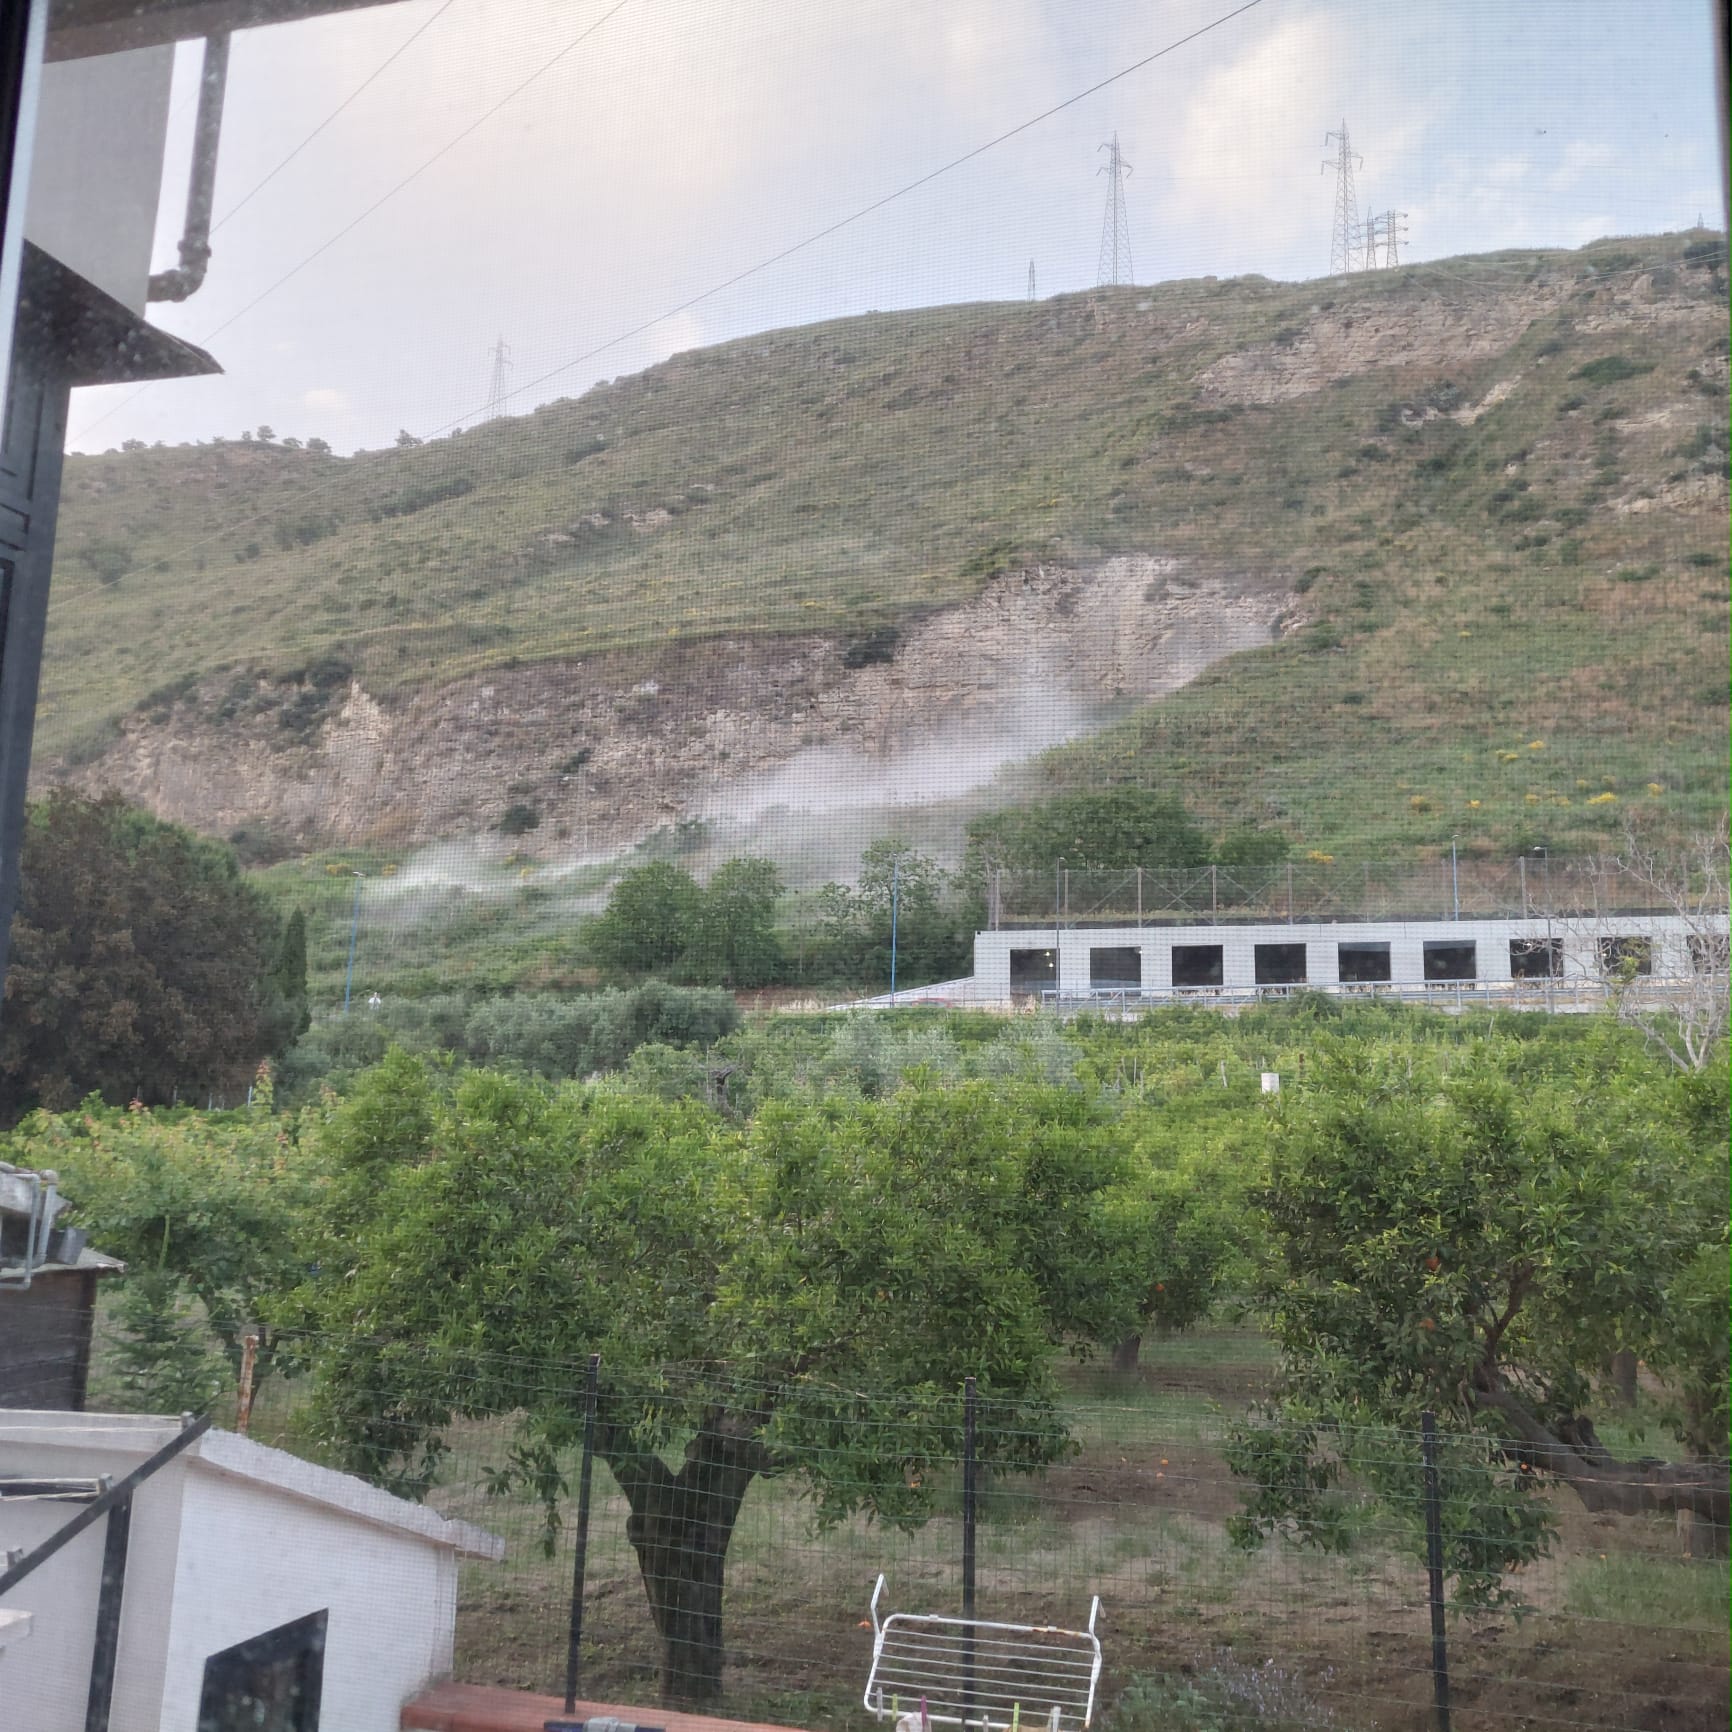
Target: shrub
pixel 1609 369
pixel 106 561
pixel 518 820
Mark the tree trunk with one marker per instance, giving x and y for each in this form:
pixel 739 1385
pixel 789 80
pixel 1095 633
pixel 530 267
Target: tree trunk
pixel 1125 1353
pixel 1621 1370
pixel 1607 1485
pixel 680 1525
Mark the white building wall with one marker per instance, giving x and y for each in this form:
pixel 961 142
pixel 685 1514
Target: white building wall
pixel 229 1541
pixel 251 1559
pixel 46 1682
pixel 96 168
pixel 1407 941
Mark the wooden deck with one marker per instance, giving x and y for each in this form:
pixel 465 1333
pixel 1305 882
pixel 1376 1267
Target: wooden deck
pixel 484 1708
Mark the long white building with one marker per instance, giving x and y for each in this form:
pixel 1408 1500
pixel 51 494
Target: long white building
pixel 1565 964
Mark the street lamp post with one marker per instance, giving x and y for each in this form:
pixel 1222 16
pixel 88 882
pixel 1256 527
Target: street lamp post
pixel 895 899
pixel 1546 865
pixel 354 933
pixel 1454 879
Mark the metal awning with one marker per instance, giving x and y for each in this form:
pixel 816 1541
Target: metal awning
pixel 82 27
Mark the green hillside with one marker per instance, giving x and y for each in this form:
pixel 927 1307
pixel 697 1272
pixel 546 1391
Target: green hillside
pixel 1498 483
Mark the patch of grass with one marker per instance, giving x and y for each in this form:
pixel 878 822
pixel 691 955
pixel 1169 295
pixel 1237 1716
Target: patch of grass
pixel 1659 1592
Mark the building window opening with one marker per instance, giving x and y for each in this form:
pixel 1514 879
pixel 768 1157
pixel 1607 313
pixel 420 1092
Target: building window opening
pixel 1709 953
pixel 272 1682
pixel 1280 964
pixel 1536 958
pixel 1116 968
pixel 1033 970
pixel 1632 956
pixel 1198 965
pixel 1363 963
pixel 1448 961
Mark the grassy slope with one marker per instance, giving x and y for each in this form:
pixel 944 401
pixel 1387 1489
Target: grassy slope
pixel 1471 587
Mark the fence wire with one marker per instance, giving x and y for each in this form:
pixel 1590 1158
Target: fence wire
pixel 1119 1489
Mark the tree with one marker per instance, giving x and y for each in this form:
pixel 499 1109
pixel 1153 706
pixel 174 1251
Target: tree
pixel 288 977
pixel 743 1286
pixel 901 894
pixel 731 938
pixel 1688 1022
pixel 647 922
pixel 142 962
pixel 1477 1243
pixel 209 1212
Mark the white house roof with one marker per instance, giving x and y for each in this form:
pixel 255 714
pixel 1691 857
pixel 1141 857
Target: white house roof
pixel 240 1458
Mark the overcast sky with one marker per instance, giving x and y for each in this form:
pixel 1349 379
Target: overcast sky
pixel 686 140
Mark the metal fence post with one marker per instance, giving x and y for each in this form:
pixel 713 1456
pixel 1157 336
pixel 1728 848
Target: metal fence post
pixel 1434 1569
pixel 580 1550
pixel 968 1521
pixel 100 1698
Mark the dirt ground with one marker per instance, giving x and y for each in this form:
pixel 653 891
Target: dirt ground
pixel 1619 1631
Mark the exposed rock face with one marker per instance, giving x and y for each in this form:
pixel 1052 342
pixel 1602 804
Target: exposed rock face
pixel 603 751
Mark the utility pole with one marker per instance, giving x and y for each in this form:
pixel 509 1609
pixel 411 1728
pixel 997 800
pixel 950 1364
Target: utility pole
pixel 1344 235
pixel 1115 260
pixel 499 384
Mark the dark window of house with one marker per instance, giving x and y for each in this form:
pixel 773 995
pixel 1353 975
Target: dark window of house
pixel 269 1683
pixel 1449 961
pixel 1536 958
pixel 1030 970
pixel 1116 965
pixel 1280 964
pixel 1709 954
pixel 1197 965
pixel 1360 962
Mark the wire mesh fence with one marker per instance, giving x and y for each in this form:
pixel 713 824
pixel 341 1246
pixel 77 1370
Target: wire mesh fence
pixel 737 1528
pixel 754 1592
pixel 1446 888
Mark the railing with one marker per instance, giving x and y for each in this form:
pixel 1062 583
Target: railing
pixel 1316 890
pixel 1559 992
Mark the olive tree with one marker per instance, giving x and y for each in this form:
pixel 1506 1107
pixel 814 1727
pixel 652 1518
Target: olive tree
pixel 743 1285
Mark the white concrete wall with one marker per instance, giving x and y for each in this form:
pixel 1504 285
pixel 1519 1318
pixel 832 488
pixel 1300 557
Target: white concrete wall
pixel 228 1541
pixel 251 1559
pixel 96 166
pixel 1406 941
pixel 47 1679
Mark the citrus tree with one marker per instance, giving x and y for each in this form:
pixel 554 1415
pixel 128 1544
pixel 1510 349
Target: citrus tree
pixel 1478 1242
pixel 744 1286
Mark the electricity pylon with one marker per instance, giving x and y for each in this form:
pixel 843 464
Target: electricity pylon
pixel 1371 233
pixel 1394 233
pixel 1115 260
pixel 1031 279
pixel 498 387
pixel 1344 236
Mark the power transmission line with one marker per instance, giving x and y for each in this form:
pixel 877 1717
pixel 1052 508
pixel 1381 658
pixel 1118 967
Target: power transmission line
pixel 786 252
pixel 390 193
pixel 383 66
pixel 1344 234
pixel 1115 260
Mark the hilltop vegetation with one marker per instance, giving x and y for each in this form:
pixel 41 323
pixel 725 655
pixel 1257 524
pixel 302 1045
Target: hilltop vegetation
pixel 1495 486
